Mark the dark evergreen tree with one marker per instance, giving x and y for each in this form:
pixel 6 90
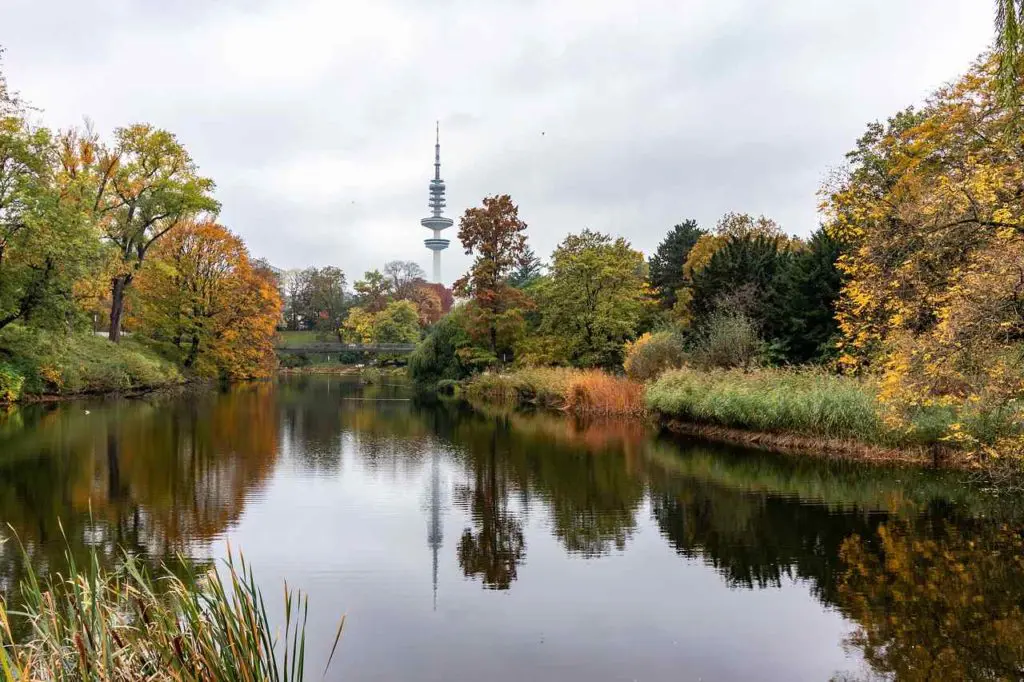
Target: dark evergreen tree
pixel 528 272
pixel 666 265
pixel 748 275
pixel 810 328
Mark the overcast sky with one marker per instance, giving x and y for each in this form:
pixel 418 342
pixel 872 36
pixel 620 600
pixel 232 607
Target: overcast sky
pixel 316 117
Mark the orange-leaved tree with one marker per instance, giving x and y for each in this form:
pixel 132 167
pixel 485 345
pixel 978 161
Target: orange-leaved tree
pixel 496 237
pixel 206 304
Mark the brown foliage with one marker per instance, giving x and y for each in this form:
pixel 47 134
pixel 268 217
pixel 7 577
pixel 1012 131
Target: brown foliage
pixel 496 236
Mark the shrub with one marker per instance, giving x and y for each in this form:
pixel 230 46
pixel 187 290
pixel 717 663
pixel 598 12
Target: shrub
pixel 727 340
pixel 581 391
pixel 650 355
pixel 295 360
pixel 11 384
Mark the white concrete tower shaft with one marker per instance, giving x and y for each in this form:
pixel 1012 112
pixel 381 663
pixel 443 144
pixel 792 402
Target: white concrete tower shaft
pixel 436 221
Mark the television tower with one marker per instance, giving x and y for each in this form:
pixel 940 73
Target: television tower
pixel 437 221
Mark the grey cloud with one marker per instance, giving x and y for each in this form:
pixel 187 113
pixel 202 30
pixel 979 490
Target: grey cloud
pixel 316 117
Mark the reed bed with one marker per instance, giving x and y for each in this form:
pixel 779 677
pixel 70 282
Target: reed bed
pixel 772 401
pixel 123 624
pixel 574 390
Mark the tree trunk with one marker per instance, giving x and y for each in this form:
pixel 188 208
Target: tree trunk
pixel 117 289
pixel 193 353
pixel 113 464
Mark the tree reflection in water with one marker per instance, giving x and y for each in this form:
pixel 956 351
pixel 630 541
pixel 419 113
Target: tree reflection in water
pixel 154 477
pixel 930 573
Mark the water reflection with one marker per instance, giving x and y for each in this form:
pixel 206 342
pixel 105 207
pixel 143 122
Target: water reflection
pixel 928 574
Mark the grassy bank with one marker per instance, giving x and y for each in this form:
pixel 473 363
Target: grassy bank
pixel 559 388
pixel 807 409
pixel 772 401
pixel 123 624
pixel 785 409
pixel 36 364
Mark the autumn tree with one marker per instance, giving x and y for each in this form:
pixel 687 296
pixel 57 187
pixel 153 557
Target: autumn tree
pixel 428 303
pixel 666 265
pixel 358 326
pixel 203 301
pixel 374 291
pixel 594 298
pixel 141 188
pixel 495 236
pixel 931 206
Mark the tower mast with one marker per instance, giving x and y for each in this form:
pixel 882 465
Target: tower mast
pixel 436 221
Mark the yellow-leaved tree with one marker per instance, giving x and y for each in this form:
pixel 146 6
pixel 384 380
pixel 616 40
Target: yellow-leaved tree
pixel 931 204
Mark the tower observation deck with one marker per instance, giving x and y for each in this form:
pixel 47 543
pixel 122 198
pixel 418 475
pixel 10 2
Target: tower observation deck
pixel 436 220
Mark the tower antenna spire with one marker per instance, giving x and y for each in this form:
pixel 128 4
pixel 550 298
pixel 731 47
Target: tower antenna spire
pixel 436 221
pixel 437 151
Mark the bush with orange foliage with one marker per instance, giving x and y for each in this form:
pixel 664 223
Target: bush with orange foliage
pixel 561 388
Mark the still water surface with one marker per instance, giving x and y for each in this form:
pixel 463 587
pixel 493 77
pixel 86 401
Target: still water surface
pixel 468 545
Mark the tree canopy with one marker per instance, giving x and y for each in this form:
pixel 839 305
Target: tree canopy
pixel 666 265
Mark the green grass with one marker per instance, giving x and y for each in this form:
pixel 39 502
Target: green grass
pixel 773 401
pixel 301 339
pixel 52 363
pixel 123 624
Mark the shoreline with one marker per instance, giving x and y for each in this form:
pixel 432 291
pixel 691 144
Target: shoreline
pixel 813 446
pixel 46 398
pixel 568 396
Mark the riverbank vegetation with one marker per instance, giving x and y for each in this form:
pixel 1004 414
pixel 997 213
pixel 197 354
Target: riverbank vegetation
pixel 125 624
pixel 119 235
pixel 560 388
pixel 896 324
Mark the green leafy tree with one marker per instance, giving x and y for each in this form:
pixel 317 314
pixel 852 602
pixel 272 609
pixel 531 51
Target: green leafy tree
pixel 399 322
pixel 595 297
pixel 666 265
pixel 496 237
pixel 1010 49
pixel 437 357
pixel 46 244
pixel 323 299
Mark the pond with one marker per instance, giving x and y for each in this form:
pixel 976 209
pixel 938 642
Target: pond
pixel 467 544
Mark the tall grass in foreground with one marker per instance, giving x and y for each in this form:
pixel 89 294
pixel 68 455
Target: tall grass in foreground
pixel 122 624
pixel 773 401
pixel 560 388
